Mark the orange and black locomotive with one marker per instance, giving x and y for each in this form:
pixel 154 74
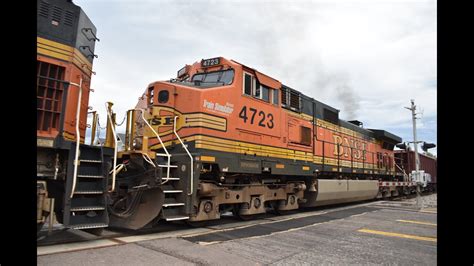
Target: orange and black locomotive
pixel 71 176
pixel 219 137
pixel 226 137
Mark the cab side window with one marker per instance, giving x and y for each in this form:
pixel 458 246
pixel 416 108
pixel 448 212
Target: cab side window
pixel 248 84
pixel 257 90
pixel 275 97
pixel 265 92
pixel 151 95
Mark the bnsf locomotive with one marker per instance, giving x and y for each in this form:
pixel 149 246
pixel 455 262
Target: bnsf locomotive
pixel 71 176
pixel 220 137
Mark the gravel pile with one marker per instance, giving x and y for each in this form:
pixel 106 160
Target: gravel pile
pixel 429 201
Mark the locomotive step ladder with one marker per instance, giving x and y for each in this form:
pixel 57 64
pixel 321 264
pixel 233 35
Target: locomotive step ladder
pixel 174 206
pixel 85 205
pixel 177 191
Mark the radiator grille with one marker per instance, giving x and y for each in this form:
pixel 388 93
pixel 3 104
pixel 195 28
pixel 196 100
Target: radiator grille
pixel 49 92
pixel 43 9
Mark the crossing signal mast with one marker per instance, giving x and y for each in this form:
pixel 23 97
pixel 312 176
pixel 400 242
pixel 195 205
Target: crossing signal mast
pixel 417 157
pixel 424 147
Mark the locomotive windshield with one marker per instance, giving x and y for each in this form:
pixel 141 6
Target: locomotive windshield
pixel 216 78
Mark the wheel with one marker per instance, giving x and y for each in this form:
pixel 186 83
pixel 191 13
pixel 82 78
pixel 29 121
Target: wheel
pixel 38 227
pixel 236 212
pixel 247 217
pixel 274 205
pixel 197 224
pixel 276 211
pixel 94 231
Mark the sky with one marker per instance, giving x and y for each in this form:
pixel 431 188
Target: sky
pixel 367 58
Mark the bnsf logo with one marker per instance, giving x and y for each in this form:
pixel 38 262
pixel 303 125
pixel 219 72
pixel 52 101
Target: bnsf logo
pixel 161 121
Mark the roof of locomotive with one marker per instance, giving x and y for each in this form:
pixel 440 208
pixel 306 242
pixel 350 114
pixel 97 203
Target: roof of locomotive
pixel 328 113
pixel 64 22
pixel 308 105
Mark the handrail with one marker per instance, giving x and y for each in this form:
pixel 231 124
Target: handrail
pixel 189 154
pixel 78 137
pixel 109 109
pixel 89 39
pixel 404 174
pixel 148 159
pixel 95 116
pixel 161 142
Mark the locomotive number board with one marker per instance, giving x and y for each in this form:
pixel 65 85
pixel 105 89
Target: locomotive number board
pixel 210 62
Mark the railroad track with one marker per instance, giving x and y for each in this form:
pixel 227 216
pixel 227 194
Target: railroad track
pixel 68 236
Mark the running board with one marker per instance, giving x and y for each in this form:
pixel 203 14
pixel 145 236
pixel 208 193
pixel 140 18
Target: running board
pixel 173 204
pixel 88 208
pixel 176 218
pixel 164 165
pixel 172 191
pixel 88 226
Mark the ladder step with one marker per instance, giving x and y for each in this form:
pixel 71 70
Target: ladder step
pixel 170 178
pixel 89 192
pixel 91 176
pixel 172 191
pixel 173 204
pixel 88 208
pixel 88 226
pixel 176 218
pixel 90 161
pixel 165 165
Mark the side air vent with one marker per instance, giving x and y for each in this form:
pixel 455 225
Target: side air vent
pixel 305 135
pixel 43 9
pixel 295 100
pixel 290 98
pixel 49 95
pixel 68 18
pixel 57 12
pixel 330 116
pixel 284 93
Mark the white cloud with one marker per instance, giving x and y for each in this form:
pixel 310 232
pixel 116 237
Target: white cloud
pixel 366 58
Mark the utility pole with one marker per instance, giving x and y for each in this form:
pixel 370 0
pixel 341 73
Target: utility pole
pixel 417 158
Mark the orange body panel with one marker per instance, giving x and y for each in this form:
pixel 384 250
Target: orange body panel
pixel 272 125
pixel 72 74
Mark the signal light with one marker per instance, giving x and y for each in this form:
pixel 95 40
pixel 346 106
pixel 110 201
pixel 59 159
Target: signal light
pixel 427 146
pixel 402 146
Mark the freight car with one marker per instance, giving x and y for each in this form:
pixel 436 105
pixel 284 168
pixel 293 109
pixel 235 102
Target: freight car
pixel 219 137
pixel 406 159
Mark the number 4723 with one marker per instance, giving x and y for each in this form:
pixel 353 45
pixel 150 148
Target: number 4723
pixel 265 120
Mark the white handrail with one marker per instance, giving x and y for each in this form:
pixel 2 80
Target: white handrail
pixel 404 174
pixel 78 136
pixel 148 159
pixel 189 154
pixel 112 126
pixel 161 142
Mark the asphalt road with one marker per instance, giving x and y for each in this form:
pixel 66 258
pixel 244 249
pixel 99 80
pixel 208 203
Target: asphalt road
pixel 369 233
